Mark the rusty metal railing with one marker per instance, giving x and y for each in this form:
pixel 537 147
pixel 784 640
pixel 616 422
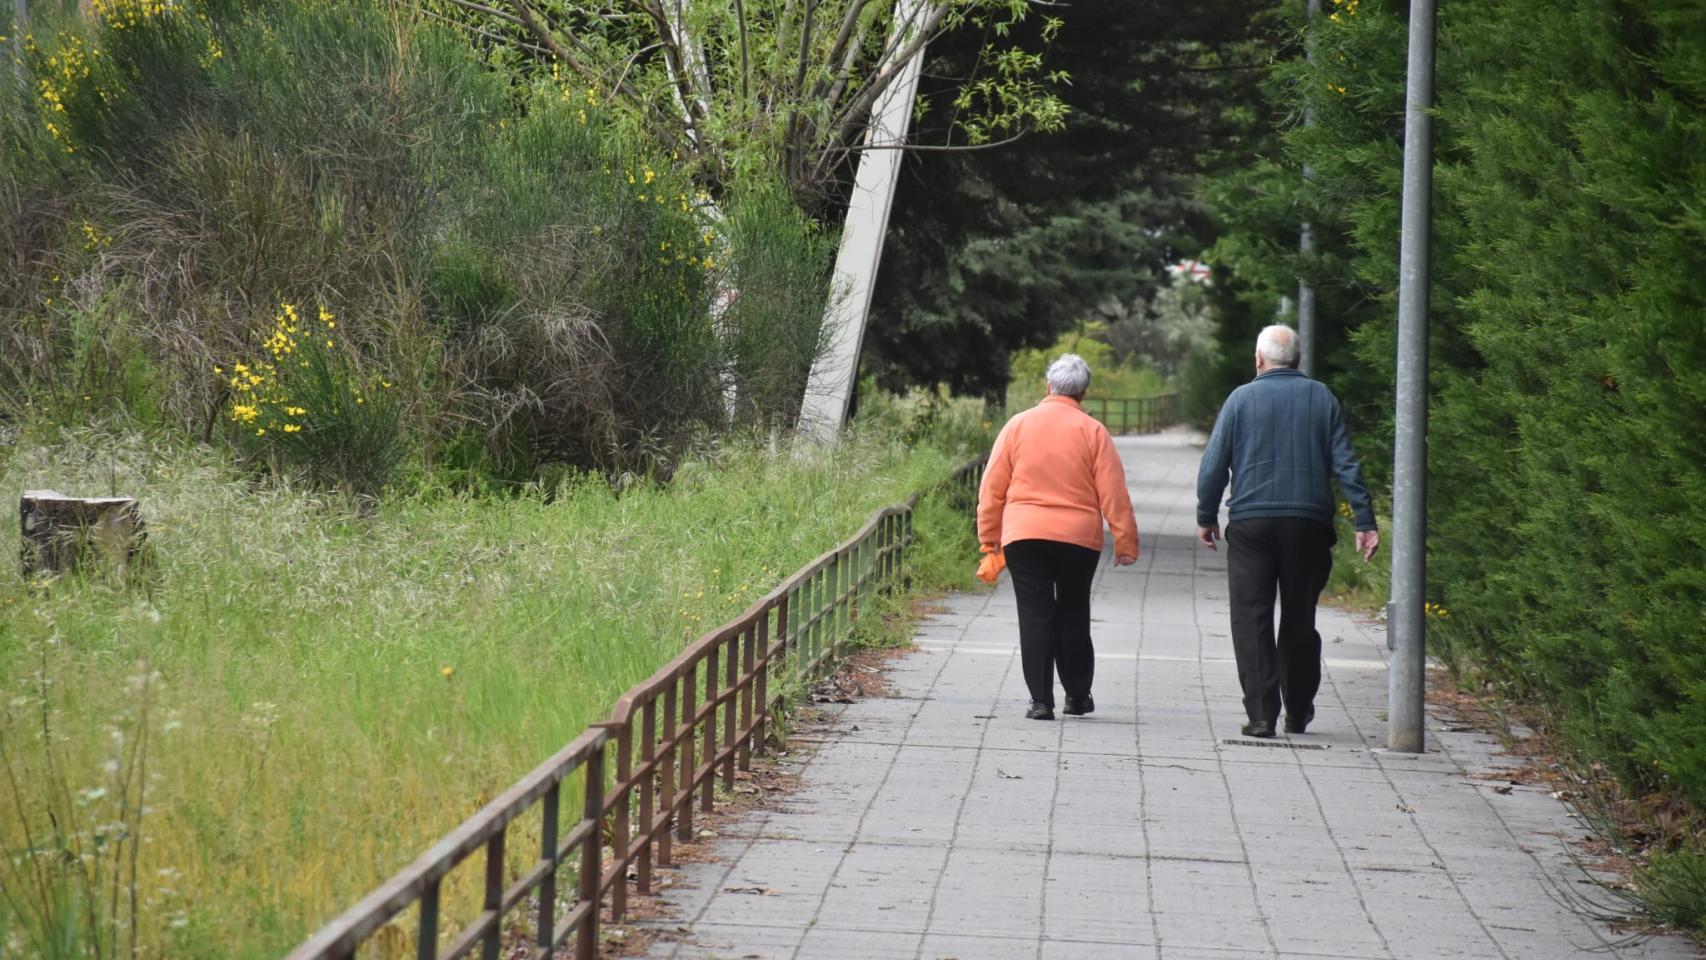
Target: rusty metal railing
pixel 1134 414
pixel 706 714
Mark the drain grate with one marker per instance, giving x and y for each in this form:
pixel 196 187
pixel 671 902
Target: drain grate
pixel 1285 744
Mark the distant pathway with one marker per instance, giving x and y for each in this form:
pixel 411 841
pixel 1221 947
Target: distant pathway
pixel 941 823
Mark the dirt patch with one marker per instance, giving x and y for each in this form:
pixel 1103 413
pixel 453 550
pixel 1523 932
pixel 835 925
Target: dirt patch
pixel 862 676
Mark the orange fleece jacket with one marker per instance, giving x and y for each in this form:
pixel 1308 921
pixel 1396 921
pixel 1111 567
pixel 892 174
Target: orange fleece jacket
pixel 1053 475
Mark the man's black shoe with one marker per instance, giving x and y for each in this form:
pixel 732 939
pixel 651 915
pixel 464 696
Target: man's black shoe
pixel 1298 724
pixel 1079 706
pixel 1042 711
pixel 1258 728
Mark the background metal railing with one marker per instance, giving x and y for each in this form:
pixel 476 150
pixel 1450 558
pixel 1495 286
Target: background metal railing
pixel 669 739
pixel 1134 414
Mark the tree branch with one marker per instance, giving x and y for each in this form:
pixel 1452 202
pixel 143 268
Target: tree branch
pixel 531 22
pixel 859 110
pixel 795 155
pixel 845 72
pixel 675 60
pixel 532 48
pixel 524 17
pixel 935 147
pixel 849 23
pixel 489 11
pixel 745 57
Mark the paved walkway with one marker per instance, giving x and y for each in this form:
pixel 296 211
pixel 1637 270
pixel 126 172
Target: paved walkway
pixel 941 823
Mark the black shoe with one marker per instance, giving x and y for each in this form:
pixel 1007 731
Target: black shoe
pixel 1258 728
pixel 1079 706
pixel 1042 711
pixel 1295 723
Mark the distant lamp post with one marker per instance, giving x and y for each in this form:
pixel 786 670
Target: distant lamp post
pixel 1306 234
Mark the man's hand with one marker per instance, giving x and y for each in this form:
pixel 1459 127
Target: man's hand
pixel 1208 535
pixel 1368 541
pixel 1124 559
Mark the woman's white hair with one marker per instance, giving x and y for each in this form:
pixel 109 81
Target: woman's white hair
pixel 1069 376
pixel 1278 345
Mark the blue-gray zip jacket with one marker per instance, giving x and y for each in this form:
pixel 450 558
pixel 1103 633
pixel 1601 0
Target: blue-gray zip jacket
pixel 1283 439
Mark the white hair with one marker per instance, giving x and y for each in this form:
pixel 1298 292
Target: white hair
pixel 1069 376
pixel 1278 345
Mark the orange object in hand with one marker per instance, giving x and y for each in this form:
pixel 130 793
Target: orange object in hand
pixel 989 568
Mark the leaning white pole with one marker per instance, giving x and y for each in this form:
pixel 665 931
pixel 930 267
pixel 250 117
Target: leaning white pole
pixel 830 386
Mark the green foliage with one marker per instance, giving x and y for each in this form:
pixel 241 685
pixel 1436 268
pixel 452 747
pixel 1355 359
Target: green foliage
pixel 932 417
pixel 514 257
pixel 1673 889
pixel 1109 378
pixel 772 88
pixel 1001 250
pixel 773 318
pixel 322 696
pixel 1567 467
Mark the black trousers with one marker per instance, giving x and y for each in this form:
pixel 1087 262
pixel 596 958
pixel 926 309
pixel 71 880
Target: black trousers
pixel 1290 555
pixel 1051 581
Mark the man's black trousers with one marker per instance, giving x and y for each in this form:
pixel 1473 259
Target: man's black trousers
pixel 1290 555
pixel 1051 581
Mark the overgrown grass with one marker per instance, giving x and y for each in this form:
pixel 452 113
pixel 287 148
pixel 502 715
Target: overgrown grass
pixel 298 700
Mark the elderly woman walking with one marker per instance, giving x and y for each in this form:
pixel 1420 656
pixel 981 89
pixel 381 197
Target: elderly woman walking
pixel 1052 477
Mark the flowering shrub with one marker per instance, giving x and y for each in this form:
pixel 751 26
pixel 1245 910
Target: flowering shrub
pixel 307 405
pixel 548 287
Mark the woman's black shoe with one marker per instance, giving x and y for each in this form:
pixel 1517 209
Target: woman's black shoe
pixel 1079 706
pixel 1042 711
pixel 1258 728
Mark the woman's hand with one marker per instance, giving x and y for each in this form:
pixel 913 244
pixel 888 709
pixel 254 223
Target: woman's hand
pixel 1124 559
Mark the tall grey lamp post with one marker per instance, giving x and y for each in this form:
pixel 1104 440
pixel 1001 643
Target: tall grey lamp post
pixel 1406 677
pixel 1306 235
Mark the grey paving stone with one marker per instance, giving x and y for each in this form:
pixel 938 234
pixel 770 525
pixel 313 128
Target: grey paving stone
pixel 938 947
pixel 1093 950
pixel 720 941
pixel 829 942
pixel 941 823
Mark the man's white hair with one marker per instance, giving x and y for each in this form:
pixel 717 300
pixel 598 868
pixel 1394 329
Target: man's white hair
pixel 1278 345
pixel 1069 376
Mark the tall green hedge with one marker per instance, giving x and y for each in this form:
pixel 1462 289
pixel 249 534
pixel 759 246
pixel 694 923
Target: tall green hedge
pixel 1567 442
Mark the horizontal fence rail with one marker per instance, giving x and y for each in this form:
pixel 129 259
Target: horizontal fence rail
pixel 1134 414
pixel 641 774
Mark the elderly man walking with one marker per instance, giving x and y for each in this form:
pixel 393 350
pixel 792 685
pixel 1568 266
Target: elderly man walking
pixel 1282 438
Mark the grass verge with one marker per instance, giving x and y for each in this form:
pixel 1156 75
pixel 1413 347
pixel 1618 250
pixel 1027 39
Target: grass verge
pixel 299 699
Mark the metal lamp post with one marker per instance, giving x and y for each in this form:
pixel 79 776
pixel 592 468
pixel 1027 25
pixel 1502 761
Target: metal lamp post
pixel 1406 676
pixel 1306 235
